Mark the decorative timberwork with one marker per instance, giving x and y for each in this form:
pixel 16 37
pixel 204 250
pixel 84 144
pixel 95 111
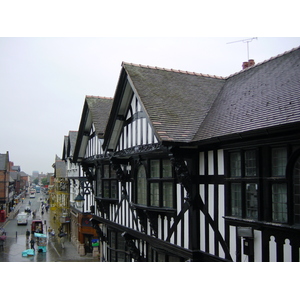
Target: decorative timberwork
pixel 103 204
pixel 134 251
pixel 151 214
pixel 100 233
pixel 182 174
pixel 140 149
pixel 90 175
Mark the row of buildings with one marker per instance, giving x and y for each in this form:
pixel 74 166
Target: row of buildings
pixel 182 166
pixel 14 184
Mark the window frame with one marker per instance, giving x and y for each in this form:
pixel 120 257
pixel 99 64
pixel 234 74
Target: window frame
pixel 107 179
pixel 156 185
pixel 241 177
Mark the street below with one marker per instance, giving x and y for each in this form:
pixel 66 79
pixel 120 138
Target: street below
pixel 16 241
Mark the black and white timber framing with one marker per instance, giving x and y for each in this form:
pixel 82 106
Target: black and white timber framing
pixel 189 167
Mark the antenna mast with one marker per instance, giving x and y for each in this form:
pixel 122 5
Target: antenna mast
pixel 245 41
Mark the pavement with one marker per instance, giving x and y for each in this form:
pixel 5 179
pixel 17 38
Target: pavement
pixel 15 245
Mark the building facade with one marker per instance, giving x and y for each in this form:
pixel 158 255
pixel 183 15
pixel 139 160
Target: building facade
pixel 192 167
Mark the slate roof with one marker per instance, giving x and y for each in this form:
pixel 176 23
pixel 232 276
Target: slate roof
pixel 176 101
pixel 263 96
pixel 72 139
pixel 3 160
pixel 100 109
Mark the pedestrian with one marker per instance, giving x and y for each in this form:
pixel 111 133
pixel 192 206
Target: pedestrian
pixel 49 231
pixel 62 241
pixel 27 234
pixel 32 243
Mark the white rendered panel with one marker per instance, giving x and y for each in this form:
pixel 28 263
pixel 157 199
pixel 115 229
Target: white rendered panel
pixel 272 249
pixel 201 164
pixel 210 163
pixel 211 212
pixel 257 246
pixel 232 245
pixel 220 162
pixel 221 214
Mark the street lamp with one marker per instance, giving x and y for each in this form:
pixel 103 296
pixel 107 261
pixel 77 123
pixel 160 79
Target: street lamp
pixel 79 201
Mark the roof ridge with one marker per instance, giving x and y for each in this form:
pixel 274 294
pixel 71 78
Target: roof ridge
pixel 265 61
pixel 100 97
pixel 173 70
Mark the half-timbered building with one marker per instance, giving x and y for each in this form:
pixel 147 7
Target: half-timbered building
pixel 87 156
pixel 198 167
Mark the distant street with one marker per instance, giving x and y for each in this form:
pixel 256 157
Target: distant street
pixel 16 242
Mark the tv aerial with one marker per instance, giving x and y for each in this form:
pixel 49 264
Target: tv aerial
pixel 245 41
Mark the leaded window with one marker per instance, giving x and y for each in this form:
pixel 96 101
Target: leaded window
pixel 296 181
pixel 108 188
pixel 279 203
pixel 142 186
pixel 158 189
pixel 243 184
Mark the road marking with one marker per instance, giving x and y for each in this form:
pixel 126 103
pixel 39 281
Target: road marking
pixel 54 248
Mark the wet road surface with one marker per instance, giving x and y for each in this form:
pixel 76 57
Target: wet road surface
pixel 16 242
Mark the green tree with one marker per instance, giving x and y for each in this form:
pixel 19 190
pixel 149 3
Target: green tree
pixel 36 181
pixel 44 181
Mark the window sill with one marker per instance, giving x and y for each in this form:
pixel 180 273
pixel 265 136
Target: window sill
pixel 161 210
pixel 108 200
pixel 236 221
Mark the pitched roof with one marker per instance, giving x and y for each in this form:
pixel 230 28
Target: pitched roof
pixel 3 161
pixel 96 110
pixel 100 109
pixel 176 101
pixel 72 140
pixel 263 96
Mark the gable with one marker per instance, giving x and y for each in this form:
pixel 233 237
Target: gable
pixel 94 118
pixel 174 102
pixel 136 128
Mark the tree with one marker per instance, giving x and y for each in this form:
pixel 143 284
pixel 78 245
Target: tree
pixel 36 181
pixel 44 181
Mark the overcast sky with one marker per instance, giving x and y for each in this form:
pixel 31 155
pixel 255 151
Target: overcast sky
pixel 44 81
pixel 46 70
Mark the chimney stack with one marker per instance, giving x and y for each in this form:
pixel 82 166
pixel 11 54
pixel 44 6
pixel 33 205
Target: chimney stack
pixel 247 64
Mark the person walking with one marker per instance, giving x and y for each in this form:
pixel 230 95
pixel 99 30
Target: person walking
pixel 27 234
pixel 32 242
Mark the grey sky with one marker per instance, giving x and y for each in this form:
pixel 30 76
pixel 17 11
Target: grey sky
pixel 44 81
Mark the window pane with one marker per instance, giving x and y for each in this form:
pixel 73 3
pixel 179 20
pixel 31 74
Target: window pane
pixel 142 186
pixel 154 166
pixel 279 161
pixel 106 171
pixel 114 189
pixel 235 164
pixel 154 194
pixel 167 169
pixel 236 200
pixel 106 189
pixel 250 163
pixel 279 203
pixel 113 173
pixel 99 183
pixel 168 194
pixel 297 192
pixel 251 201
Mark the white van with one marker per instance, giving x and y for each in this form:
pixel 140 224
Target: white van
pixel 22 218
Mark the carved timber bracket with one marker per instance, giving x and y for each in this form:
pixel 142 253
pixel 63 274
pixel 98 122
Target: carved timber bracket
pixel 103 204
pixel 100 233
pixel 90 175
pixel 182 174
pixel 134 251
